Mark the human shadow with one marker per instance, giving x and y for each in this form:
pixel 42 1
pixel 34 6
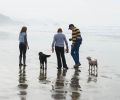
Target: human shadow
pixel 75 85
pixel 93 74
pixel 59 89
pixel 22 83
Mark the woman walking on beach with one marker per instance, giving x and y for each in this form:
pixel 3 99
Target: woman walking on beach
pixel 58 43
pixel 23 45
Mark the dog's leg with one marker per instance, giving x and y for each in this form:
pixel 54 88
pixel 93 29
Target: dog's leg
pixel 89 71
pixel 89 68
pixel 43 66
pixel 40 66
pixel 93 70
pixel 96 66
pixel 96 70
pixel 46 64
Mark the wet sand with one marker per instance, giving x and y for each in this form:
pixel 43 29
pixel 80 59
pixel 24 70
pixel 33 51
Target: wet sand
pixel 33 83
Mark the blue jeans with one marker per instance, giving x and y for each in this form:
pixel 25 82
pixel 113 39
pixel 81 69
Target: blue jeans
pixel 75 50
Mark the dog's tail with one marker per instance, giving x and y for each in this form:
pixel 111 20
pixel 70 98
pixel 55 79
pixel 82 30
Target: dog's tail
pixel 47 55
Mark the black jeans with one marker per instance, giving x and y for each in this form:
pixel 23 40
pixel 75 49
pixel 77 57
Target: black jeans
pixel 22 48
pixel 60 57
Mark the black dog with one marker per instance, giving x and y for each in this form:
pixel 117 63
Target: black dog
pixel 43 60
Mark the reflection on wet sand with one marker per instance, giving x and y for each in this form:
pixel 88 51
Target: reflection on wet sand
pixel 92 76
pixel 59 89
pixel 75 85
pixel 22 83
pixel 43 74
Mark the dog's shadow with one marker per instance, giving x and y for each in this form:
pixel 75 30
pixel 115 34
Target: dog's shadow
pixel 93 74
pixel 43 76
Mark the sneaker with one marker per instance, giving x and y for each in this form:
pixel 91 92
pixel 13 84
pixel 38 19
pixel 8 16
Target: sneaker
pixel 24 65
pixel 58 67
pixel 77 65
pixel 65 67
pixel 20 64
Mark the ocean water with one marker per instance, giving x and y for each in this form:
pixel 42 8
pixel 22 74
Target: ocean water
pixel 32 83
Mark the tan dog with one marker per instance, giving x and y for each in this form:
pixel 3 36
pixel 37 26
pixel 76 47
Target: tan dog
pixel 92 64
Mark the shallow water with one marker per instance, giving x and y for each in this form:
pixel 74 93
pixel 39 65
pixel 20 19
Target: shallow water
pixel 32 83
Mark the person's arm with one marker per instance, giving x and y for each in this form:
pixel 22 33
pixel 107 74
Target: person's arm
pixel 70 39
pixel 53 43
pixel 26 42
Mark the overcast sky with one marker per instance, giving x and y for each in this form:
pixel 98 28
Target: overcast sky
pixel 80 11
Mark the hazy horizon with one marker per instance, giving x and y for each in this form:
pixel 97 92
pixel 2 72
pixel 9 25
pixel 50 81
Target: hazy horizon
pixel 83 12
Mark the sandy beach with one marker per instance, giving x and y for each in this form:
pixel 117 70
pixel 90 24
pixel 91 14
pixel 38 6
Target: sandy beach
pixel 31 83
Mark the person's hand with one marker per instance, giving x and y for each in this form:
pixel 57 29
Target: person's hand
pixel 70 39
pixel 67 50
pixel 28 47
pixel 52 50
pixel 72 45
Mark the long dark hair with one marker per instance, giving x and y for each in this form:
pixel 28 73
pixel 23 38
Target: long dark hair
pixel 24 29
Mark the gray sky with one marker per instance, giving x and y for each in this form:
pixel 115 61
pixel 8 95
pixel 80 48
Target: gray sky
pixel 80 11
